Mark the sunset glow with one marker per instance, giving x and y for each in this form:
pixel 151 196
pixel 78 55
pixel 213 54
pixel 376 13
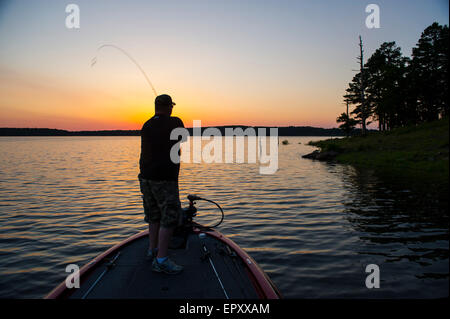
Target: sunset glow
pixel 224 63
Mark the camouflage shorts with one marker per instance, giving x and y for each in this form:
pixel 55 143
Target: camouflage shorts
pixel 161 202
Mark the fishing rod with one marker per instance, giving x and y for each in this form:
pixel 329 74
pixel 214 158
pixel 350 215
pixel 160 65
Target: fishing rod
pixel 109 265
pixel 207 254
pixel 94 61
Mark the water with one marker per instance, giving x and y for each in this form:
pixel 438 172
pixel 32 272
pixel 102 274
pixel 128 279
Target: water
pixel 313 227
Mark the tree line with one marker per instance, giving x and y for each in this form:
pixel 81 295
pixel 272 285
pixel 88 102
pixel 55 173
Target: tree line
pixel 282 131
pixel 396 91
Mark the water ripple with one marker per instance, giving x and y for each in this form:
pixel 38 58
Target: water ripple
pixel 313 226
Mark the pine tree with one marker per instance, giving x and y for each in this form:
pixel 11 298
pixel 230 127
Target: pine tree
pixel 429 72
pixel 356 93
pixel 348 123
pixel 385 73
pixel 398 91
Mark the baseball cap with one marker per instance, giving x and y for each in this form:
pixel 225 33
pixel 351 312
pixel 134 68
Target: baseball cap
pixel 164 100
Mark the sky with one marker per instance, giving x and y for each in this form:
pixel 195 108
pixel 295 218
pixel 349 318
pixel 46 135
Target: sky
pixel 246 62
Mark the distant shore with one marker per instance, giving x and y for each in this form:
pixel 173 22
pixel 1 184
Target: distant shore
pixel 419 151
pixel 282 131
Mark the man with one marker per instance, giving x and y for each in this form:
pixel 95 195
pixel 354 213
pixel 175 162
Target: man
pixel 159 183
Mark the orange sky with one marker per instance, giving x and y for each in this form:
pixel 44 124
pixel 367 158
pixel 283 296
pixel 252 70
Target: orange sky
pixel 34 100
pixel 273 63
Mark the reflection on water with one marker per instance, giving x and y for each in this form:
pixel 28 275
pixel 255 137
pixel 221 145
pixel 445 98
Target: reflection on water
pixel 403 228
pixel 313 227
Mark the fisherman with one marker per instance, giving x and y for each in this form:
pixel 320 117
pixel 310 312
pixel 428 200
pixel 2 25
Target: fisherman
pixel 159 183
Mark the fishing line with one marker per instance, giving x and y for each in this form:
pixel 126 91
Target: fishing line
pixel 94 61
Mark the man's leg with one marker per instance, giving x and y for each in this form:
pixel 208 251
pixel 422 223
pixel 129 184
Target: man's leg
pixel 153 234
pixel 162 263
pixel 168 198
pixel 152 216
pixel 165 234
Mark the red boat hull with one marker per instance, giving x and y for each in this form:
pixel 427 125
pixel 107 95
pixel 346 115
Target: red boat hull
pixel 263 286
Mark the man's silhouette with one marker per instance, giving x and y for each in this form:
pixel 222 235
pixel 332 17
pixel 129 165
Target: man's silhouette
pixel 159 183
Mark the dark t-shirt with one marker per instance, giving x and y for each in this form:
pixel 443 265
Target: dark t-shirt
pixel 155 163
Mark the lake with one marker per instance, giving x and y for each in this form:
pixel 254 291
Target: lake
pixel 312 226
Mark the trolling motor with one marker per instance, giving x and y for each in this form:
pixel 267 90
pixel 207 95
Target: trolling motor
pixel 191 211
pixel 184 228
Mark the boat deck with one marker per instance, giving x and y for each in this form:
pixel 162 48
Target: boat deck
pixel 131 275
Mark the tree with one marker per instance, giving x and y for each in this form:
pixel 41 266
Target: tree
pixel 356 93
pixel 348 123
pixel 398 91
pixel 428 72
pixel 385 73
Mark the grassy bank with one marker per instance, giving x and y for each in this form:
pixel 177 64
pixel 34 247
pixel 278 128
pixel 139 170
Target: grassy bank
pixel 420 152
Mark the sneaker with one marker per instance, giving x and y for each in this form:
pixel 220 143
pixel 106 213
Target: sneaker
pixel 167 266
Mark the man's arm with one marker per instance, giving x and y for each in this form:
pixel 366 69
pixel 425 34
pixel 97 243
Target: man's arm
pixel 180 122
pixel 143 140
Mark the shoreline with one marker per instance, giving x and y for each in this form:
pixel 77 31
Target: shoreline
pixel 420 152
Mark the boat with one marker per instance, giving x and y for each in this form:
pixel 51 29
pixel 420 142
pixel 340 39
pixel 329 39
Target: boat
pixel 215 267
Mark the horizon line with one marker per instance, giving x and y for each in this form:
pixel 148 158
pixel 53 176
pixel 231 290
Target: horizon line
pixel 230 125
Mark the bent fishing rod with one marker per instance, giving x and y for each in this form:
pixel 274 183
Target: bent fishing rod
pixel 94 61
